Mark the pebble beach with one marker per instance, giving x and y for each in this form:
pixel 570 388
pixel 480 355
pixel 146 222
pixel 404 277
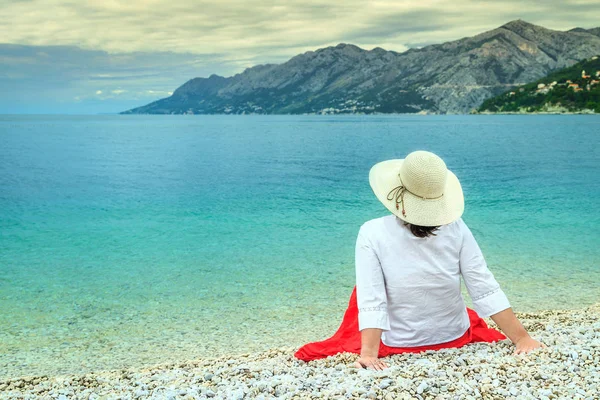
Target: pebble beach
pixel 568 369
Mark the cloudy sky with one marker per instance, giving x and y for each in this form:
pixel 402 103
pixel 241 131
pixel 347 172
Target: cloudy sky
pixel 75 56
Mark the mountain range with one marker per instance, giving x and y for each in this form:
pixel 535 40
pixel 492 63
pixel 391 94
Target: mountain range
pixel 453 77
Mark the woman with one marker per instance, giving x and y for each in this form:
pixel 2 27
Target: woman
pixel 408 273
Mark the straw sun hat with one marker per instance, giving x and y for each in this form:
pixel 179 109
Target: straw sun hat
pixel 418 189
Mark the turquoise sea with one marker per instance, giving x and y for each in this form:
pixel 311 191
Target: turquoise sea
pixel 135 240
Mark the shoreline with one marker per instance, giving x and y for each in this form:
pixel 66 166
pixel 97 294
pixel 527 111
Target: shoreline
pixel 568 368
pixel 379 114
pixel 535 113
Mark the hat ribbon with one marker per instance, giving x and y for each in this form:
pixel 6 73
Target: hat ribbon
pixel 397 194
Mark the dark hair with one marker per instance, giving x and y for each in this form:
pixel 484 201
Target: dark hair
pixel 422 231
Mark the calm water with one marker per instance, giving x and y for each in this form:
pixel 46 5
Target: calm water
pixel 129 240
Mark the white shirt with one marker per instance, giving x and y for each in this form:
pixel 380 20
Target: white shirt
pixel 410 287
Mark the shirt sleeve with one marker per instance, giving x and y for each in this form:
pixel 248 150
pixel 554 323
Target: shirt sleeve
pixel 488 298
pixel 370 287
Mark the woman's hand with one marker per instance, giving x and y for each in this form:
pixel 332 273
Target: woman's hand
pixel 527 344
pixel 370 363
pixel 512 327
pixel 370 341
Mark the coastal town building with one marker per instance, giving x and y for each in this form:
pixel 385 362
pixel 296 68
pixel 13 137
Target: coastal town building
pixel 542 88
pixel 584 76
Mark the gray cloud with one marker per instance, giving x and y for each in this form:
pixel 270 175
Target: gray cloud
pixel 72 76
pixel 268 30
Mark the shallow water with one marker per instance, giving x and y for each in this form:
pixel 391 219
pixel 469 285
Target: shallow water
pixel 130 240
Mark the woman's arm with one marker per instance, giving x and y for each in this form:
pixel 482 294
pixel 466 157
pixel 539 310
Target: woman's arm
pixel 488 298
pixel 512 327
pixel 371 298
pixel 370 339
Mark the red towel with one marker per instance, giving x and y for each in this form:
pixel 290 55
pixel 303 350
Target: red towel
pixel 348 338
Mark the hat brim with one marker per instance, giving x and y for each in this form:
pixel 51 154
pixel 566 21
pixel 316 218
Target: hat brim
pixel 384 176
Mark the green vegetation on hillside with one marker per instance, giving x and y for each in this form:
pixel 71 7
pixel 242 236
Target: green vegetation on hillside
pixel 566 90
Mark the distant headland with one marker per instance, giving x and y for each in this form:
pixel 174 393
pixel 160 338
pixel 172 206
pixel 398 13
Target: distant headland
pixel 575 89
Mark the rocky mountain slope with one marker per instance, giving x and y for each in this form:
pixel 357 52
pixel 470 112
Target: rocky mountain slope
pixel 453 77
